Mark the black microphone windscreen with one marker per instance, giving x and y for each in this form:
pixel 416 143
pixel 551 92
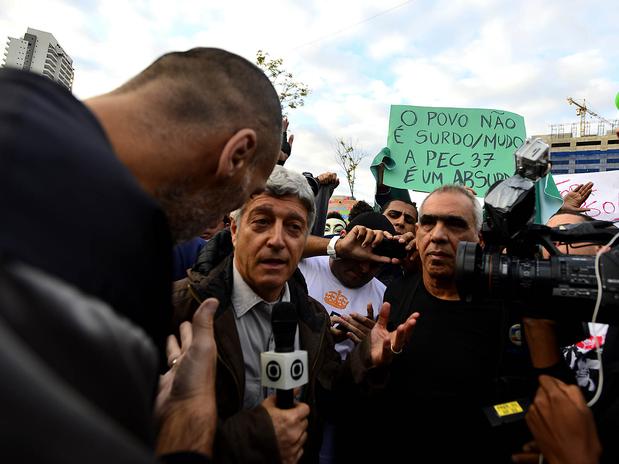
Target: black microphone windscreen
pixel 284 323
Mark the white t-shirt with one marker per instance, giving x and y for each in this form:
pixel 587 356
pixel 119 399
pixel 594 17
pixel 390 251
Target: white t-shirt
pixel 323 286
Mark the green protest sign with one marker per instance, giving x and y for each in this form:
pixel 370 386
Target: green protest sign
pixel 429 147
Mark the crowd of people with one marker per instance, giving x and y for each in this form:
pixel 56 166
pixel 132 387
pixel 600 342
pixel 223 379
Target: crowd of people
pixel 148 234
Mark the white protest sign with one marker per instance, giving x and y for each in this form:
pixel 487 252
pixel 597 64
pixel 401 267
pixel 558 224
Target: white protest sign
pixel 604 200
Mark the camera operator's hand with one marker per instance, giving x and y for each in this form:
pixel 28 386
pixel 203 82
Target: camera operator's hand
pixel 562 424
pixel 573 200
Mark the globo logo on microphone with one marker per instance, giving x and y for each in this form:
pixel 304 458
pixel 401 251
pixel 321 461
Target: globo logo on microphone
pixel 273 371
pixel 297 369
pixel 284 371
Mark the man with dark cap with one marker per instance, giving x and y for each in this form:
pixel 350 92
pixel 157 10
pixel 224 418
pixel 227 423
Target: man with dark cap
pixel 347 287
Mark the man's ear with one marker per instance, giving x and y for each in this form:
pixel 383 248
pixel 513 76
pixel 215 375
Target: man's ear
pixel 237 153
pixel 233 230
pixel 342 233
pixel 481 239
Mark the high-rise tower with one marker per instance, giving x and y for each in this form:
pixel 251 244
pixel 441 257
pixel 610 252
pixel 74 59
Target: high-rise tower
pixel 40 52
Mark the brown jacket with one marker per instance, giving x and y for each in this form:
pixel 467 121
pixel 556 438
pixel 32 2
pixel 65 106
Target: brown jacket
pixel 248 435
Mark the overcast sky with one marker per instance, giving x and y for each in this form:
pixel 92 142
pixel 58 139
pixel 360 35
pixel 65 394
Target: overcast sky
pixel 358 57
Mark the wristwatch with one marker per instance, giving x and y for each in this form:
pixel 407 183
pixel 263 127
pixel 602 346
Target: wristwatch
pixel 331 247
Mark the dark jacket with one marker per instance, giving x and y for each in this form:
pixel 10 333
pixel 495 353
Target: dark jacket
pixel 248 435
pixel 70 208
pixel 78 379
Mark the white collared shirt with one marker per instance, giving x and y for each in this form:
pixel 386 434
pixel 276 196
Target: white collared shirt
pixel 253 325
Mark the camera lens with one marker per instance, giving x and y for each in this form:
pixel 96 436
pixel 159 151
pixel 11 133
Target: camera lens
pixel 468 266
pixel 555 288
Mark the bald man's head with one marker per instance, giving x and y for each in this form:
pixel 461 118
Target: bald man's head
pixel 200 130
pixel 212 89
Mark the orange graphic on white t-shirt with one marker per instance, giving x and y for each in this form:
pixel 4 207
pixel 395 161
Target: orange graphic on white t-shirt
pixel 336 299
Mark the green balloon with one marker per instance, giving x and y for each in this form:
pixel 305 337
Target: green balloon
pixel 617 100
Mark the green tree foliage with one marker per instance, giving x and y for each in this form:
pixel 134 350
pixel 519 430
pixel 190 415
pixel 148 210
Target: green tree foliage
pixel 291 92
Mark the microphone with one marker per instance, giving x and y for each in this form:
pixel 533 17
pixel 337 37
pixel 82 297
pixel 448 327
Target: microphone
pixel 284 324
pixel 284 369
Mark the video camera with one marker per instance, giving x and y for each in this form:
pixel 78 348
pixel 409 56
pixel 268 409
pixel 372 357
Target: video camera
pixel 510 268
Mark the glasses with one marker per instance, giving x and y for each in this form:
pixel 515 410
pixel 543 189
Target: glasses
pixel 395 214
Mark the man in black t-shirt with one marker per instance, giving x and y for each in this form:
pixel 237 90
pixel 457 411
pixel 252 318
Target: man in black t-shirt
pixel 450 368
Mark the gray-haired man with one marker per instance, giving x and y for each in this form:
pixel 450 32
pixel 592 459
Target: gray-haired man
pixel 455 361
pixel 269 234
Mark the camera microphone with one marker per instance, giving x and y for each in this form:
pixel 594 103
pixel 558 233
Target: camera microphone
pixel 284 369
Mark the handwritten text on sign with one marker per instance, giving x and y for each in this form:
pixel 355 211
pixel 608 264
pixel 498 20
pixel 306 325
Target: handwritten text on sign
pixel 436 146
pixel 603 203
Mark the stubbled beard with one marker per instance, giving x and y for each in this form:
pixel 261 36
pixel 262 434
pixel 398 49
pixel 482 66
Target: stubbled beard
pixel 189 214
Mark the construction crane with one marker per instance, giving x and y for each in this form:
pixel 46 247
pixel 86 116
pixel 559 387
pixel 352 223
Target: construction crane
pixel 582 111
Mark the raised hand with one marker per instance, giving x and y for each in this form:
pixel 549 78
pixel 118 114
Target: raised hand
pixel 359 243
pixel 327 178
pixel 286 144
pixel 384 344
pixel 573 200
pixel 185 405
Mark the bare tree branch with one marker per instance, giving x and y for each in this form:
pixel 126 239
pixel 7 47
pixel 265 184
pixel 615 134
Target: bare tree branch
pixel 348 157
